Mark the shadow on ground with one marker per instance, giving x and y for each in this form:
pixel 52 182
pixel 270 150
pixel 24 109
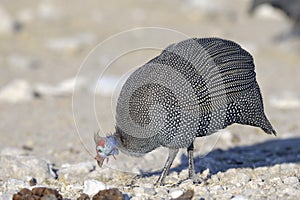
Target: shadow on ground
pixel 267 154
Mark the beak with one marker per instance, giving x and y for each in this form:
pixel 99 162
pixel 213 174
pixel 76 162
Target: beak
pixel 100 160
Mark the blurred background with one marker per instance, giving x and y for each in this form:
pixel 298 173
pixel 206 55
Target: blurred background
pixel 43 43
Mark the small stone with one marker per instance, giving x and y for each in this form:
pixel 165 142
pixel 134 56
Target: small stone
pixel 70 44
pixel 290 190
pixel 32 182
pixel 292 180
pixel 83 196
pixel 112 193
pixel 239 197
pixel 217 187
pixel 205 173
pixel 22 167
pixel 268 12
pixel 13 184
pixel 186 195
pixel 25 15
pixel 64 88
pixel 138 191
pixel 285 101
pixel 20 62
pixel 91 187
pixel 175 193
pixel 11 151
pixel 162 192
pixel 79 168
pixel 75 188
pixel 16 91
pixel 7 24
pixel 48 11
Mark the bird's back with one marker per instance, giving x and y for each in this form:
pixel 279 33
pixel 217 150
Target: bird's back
pixel 192 89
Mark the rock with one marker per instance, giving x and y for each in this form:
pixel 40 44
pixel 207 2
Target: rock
pixel 113 193
pixel 70 44
pixel 186 195
pixel 12 151
pixel 25 15
pixel 48 12
pixel 26 167
pixel 238 197
pixel 292 180
pixel 16 91
pixel 7 24
pixel 217 188
pixel 162 193
pixel 175 193
pixel 92 187
pixel 79 168
pixel 64 88
pixel 32 181
pixel 285 101
pixel 11 186
pixel 268 12
pixel 22 62
pixel 138 191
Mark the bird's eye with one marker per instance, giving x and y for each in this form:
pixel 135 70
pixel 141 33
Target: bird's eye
pixel 99 149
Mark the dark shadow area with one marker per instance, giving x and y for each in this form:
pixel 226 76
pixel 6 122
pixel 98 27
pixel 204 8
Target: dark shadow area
pixel 268 153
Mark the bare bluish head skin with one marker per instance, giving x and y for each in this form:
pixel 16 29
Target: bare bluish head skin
pixel 105 147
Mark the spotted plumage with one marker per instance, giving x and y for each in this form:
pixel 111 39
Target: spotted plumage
pixel 192 89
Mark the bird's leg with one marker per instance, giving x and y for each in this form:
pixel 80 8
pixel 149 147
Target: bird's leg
pixel 192 174
pixel 171 157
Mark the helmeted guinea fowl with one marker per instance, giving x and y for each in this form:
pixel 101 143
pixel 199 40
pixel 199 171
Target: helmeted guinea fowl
pixel 192 89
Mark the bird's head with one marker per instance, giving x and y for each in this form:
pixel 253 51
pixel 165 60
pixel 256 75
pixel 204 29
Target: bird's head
pixel 105 147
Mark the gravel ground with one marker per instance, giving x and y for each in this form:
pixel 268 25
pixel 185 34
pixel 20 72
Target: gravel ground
pixel 43 45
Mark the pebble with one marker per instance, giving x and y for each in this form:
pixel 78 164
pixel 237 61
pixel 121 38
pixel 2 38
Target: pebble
pixel 21 62
pixel 48 11
pixel 292 180
pixel 79 168
pixel 92 187
pixel 139 191
pixel 70 44
pixel 188 195
pixel 64 88
pixel 161 192
pixel 238 197
pixel 11 186
pixel 285 101
pixel 12 151
pixel 175 193
pixel 16 91
pixel 26 15
pixel 217 188
pixel 268 12
pixel 7 24
pixel 22 167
